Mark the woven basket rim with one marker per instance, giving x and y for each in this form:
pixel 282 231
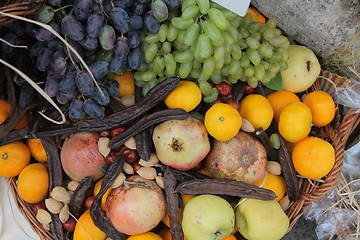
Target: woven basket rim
pixel 309 192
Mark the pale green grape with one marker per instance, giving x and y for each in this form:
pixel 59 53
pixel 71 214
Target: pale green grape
pixel 185 69
pixel 219 52
pixel 180 47
pixel 236 52
pixel 204 5
pixel 195 72
pixel 253 27
pixel 152 38
pixel 234 66
pixel 219 64
pixel 166 47
pixel 249 71
pixel 259 72
pixel 190 12
pixel 148 86
pixel 216 77
pixel 218 18
pixel 172 33
pixel 212 97
pixel 244 61
pixel 183 56
pixel 150 52
pixel 159 64
pixel 211 30
pixel 205 88
pixel 280 41
pixel 181 23
pixel 148 76
pixel 162 33
pixel 170 64
pixel 209 66
pixel 253 56
pixel 204 45
pixel 196 64
pixel 186 4
pixel 227 38
pixel 265 50
pixel 192 33
pixel 274 67
pixel 228 58
pixel 271 23
pixel 252 42
pixel 283 65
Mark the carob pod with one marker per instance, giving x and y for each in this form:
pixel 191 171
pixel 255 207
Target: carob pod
pixel 265 140
pixel 287 167
pixel 55 175
pixel 97 215
pixel 143 138
pixel 155 96
pixel 115 105
pixel 146 122
pixel 18 112
pixel 224 187
pixel 237 91
pixel 173 208
pixel 77 200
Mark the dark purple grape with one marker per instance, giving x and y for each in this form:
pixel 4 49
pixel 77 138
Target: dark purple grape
pixel 136 22
pixel 10 38
pixel 82 8
pixel 99 69
pixel 36 47
pixel 172 4
pixel 51 85
pixel 54 3
pixel 67 82
pixel 90 55
pixel 72 28
pixel 84 82
pixel 138 8
pixel 59 53
pixel 30 29
pixel 55 44
pixel 120 20
pixel 99 98
pixel 96 7
pixel 76 111
pixel 93 109
pixel 64 98
pixel 77 47
pixel 122 3
pixel 107 37
pixel 151 24
pixel 44 59
pixel 113 88
pixel 95 23
pixel 70 66
pixel 58 67
pixel 122 46
pixel 116 63
pixel 45 15
pixel 160 10
pixel 134 58
pixel 42 34
pixel 126 67
pixel 134 38
pixel 143 1
pixel 17 27
pixel 108 7
pixel 89 43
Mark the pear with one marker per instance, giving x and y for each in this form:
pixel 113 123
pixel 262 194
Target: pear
pixel 303 69
pixel 208 217
pixel 261 220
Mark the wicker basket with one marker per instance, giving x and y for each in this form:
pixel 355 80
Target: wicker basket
pixel 311 191
pixel 19 8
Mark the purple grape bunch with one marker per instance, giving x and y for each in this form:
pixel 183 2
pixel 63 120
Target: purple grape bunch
pixel 107 34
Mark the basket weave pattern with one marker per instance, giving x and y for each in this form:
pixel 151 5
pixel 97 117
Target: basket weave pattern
pixel 19 8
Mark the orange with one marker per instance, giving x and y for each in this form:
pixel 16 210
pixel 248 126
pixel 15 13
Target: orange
pixel 85 229
pixel 33 183
pixel 37 149
pixel 230 237
pixel 185 96
pixel 166 234
pixel 313 158
pixel 295 122
pixel 257 16
pixel 222 121
pixel 257 110
pixel 279 99
pixel 127 83
pixel 274 183
pixel 145 236
pixel 97 190
pixel 186 198
pixel 5 109
pixel 166 219
pixel 322 107
pixel 14 157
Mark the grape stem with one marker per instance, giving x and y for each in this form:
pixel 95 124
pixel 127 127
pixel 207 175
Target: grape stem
pixel 40 91
pixel 12 45
pixel 49 28
pixel 62 8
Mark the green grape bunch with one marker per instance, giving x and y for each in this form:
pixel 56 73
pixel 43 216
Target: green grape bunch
pixel 205 42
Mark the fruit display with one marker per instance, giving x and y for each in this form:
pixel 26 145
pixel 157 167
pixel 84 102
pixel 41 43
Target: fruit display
pixel 175 127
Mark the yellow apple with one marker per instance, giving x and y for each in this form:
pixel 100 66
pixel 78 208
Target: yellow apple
pixel 303 69
pixel 208 217
pixel 261 220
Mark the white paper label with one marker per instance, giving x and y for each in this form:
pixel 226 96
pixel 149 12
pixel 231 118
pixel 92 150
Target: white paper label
pixel 239 7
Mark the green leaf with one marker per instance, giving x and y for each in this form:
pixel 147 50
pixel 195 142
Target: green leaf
pixel 293 37
pixel 275 83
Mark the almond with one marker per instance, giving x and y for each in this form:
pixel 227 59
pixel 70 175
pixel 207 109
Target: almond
pixel 127 100
pixel 46 227
pixel 119 180
pixel 73 185
pixel 103 146
pixel 285 202
pixel 43 216
pixel 64 214
pixel 53 205
pixel 152 162
pixel 60 194
pixel 273 167
pixel 160 181
pixel 128 169
pixel 147 172
pixel 130 143
pixel 246 126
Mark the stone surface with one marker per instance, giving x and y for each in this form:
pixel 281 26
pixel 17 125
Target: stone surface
pixel 325 26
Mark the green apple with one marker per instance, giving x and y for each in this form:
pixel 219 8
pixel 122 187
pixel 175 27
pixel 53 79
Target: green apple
pixel 303 69
pixel 261 220
pixel 208 217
